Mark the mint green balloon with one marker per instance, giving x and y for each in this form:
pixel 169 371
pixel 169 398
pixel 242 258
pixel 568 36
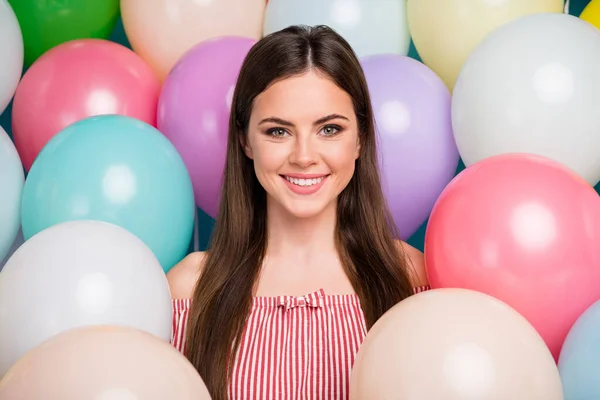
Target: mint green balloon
pixel 116 169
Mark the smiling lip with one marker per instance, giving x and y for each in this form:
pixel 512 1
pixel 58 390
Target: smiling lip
pixel 305 176
pixel 298 184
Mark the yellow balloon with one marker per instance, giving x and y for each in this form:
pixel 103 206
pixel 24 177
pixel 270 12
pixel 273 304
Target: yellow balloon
pixel 161 31
pixel 591 13
pixel 445 32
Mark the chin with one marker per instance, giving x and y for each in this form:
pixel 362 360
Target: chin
pixel 306 211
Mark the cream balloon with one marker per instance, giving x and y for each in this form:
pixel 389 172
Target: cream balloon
pixel 103 363
pixel 533 86
pixel 80 273
pixel 161 31
pixel 371 27
pixel 11 54
pixel 445 32
pixel 454 344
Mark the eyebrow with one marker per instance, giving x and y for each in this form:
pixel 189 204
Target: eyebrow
pixel 288 123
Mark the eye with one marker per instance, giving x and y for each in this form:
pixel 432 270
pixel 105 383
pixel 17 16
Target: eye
pixel 331 130
pixel 276 132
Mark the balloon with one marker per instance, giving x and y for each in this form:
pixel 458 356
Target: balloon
pixel 454 344
pixel 19 240
pixel 412 115
pixel 47 24
pixel 591 13
pixel 524 229
pixel 445 32
pixel 116 169
pixel 76 80
pixel 80 273
pixel 371 27
pixel 11 54
pixel 12 180
pixel 103 362
pixel 533 87
pixel 162 31
pixel 580 357
pixel 194 108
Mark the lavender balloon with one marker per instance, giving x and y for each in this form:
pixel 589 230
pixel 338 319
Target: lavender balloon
pixel 418 155
pixel 194 108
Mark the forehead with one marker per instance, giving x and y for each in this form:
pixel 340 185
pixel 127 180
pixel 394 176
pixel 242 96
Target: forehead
pixel 311 95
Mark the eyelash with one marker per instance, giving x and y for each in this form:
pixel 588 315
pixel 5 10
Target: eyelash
pixel 272 131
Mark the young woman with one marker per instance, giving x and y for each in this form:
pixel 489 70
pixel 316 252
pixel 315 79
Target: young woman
pixel 303 259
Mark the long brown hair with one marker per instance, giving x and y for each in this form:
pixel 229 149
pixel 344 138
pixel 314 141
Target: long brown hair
pixel 365 231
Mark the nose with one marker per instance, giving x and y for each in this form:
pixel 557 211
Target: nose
pixel 304 153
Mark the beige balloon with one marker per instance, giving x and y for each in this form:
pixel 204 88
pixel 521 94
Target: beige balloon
pixel 454 344
pixel 161 31
pixel 103 363
pixel 445 32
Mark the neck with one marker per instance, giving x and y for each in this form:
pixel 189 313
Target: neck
pixel 300 238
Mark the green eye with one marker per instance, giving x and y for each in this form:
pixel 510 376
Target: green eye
pixel 277 132
pixel 330 130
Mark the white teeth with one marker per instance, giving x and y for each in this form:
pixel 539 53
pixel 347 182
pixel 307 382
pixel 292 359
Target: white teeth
pixel 304 182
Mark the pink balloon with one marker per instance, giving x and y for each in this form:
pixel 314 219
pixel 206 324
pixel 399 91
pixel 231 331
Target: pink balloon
pixel 79 79
pixel 524 229
pixel 194 108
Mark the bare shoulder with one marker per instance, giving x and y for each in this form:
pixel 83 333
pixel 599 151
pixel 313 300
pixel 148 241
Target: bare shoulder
pixel 416 260
pixel 183 276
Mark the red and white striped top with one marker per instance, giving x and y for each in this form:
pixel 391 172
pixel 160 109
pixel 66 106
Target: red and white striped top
pixel 293 348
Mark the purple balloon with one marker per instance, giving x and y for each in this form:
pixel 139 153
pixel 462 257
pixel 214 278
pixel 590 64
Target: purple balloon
pixel 194 108
pixel 418 154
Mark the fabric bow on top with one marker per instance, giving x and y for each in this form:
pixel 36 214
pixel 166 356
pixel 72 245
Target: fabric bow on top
pixel 313 300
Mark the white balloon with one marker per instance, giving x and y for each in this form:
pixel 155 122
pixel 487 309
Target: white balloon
pixel 371 27
pixel 12 180
pixel 533 86
pixel 19 240
pixel 75 274
pixel 11 54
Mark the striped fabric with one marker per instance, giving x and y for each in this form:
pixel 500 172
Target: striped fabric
pixel 293 348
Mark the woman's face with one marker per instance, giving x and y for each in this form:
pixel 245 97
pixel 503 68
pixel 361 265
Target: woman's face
pixel 303 138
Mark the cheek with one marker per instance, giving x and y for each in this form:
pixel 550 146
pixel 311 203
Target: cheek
pixel 342 158
pixel 268 159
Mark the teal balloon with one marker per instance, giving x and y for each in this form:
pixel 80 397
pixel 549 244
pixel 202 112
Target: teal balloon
pixel 12 179
pixel 579 360
pixel 116 169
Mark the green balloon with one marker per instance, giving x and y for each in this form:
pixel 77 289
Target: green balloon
pixel 48 23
